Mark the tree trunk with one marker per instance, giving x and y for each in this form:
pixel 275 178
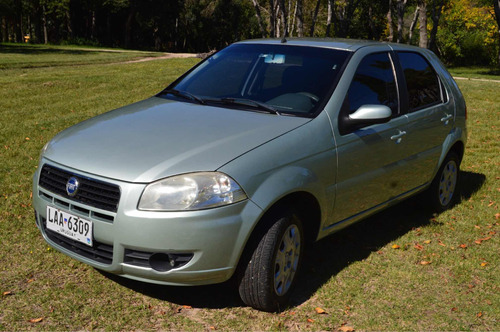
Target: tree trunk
pixel 315 16
pixel 400 5
pixel 300 18
pixel 5 35
pixel 44 24
pixel 435 15
pixel 496 6
pixel 272 18
pixel 68 23
pixel 329 18
pixel 413 23
pixel 371 24
pixel 422 20
pixel 284 16
pixel 128 28
pixel 389 23
pixel 294 18
pixel 259 18
pixel 277 28
pixel 21 29
pixel 30 28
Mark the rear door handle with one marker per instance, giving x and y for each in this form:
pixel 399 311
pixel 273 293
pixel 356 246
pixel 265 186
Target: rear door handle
pixel 446 119
pixel 398 137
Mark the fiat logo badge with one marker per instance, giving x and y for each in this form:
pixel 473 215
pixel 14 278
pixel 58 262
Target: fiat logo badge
pixel 72 186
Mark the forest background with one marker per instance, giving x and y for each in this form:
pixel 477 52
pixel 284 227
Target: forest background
pixel 461 32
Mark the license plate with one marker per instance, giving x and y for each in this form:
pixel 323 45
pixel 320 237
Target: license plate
pixel 69 225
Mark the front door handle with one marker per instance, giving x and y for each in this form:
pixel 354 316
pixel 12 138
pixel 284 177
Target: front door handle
pixel 398 137
pixel 446 119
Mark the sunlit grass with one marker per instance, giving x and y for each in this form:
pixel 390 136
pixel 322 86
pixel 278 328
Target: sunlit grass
pixel 355 276
pixel 29 56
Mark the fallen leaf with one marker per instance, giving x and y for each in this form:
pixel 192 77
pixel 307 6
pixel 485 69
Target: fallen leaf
pixel 478 227
pixel 212 327
pixel 36 320
pixel 427 241
pixel 309 320
pixel 418 246
pixel 30 280
pixel 479 314
pixel 187 307
pixel 27 138
pixel 492 232
pixel 497 215
pixel 425 263
pixel 454 309
pixel 478 241
pixel 484 264
pixel 441 243
pixel 8 293
pixel 346 328
pixel 395 246
pixel 491 204
pixel 320 310
pixel 463 246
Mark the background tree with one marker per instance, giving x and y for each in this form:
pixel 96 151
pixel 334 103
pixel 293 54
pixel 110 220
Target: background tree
pixel 460 31
pixel 496 6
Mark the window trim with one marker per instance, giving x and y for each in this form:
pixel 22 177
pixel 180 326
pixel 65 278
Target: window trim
pixel 442 89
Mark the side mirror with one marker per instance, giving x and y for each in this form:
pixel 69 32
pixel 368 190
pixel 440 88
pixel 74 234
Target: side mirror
pixel 369 114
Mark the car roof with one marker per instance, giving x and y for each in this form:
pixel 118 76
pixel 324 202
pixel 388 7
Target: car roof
pixel 334 43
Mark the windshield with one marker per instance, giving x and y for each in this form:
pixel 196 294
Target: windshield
pixel 288 79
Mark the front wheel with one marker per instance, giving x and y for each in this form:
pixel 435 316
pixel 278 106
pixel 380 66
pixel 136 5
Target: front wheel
pixel 266 282
pixel 443 190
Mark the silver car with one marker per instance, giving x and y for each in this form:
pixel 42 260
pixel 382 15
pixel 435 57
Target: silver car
pixel 250 156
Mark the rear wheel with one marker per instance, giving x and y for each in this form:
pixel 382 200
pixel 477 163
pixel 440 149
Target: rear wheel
pixel 268 278
pixel 443 190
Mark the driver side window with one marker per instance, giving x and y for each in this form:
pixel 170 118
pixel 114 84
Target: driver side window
pixel 373 84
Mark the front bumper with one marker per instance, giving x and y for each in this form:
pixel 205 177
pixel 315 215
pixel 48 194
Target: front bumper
pixel 212 240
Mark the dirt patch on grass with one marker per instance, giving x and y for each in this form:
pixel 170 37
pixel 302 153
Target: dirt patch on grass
pixel 166 56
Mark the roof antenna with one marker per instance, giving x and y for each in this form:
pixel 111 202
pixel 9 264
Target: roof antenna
pixel 283 40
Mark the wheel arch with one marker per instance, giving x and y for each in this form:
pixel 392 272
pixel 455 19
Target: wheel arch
pixel 302 203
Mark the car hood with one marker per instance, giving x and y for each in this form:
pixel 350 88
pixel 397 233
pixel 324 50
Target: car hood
pixel 157 138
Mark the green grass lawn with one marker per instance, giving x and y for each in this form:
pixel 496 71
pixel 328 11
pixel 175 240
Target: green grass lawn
pixel 443 276
pixel 31 56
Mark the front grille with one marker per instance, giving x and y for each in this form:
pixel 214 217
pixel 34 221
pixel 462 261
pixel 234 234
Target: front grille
pixel 91 192
pixel 99 252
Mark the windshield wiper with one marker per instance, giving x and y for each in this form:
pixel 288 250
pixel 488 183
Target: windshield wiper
pixel 183 94
pixel 247 102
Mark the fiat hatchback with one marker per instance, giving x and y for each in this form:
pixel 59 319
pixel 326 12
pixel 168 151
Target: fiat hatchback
pixel 242 162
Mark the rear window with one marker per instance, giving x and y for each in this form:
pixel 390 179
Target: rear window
pixel 424 88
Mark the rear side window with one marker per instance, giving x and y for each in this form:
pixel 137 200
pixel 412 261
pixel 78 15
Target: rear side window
pixel 424 88
pixel 374 84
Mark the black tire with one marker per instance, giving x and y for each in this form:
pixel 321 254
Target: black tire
pixel 264 283
pixel 444 188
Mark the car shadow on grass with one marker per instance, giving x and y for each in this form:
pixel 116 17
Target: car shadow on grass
pixel 324 259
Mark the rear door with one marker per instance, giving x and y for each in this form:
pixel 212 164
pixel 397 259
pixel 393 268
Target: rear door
pixel 430 117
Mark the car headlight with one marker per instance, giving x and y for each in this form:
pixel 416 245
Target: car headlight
pixel 194 191
pixel 40 156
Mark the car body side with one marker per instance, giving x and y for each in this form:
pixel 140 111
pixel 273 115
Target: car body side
pixel 309 170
